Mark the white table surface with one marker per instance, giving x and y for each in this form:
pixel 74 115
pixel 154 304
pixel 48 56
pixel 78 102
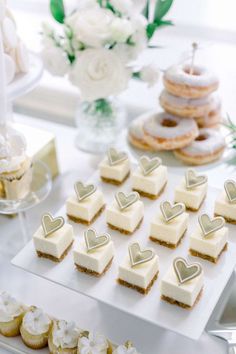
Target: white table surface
pixel 66 304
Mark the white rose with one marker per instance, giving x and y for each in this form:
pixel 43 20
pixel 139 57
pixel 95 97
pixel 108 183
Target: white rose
pixel 129 7
pixel 121 30
pixel 150 74
pixel 99 73
pixel 92 26
pixel 55 61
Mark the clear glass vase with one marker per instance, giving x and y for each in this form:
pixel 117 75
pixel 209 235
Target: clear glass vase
pixel 99 122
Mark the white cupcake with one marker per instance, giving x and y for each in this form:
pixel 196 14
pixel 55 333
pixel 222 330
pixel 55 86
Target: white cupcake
pixel 35 328
pixel 127 348
pixel 63 338
pixel 93 343
pixel 11 314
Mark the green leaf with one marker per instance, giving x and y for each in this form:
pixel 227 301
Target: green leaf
pixel 57 10
pixel 146 10
pixel 150 30
pixel 161 8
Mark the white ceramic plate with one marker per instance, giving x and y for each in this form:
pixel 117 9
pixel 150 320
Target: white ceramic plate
pixel 149 308
pixel 16 346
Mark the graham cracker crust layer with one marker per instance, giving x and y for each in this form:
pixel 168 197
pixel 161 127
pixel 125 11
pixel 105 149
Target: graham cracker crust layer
pixel 194 209
pixel 137 288
pixel 229 220
pixel 92 272
pixel 167 244
pixel 114 181
pixel 125 232
pixel 206 257
pixel 86 222
pixel 181 304
pixel 150 196
pixel 52 258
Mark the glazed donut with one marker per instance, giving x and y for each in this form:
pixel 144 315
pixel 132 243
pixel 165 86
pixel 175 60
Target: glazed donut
pixel 164 131
pixel 136 134
pixel 178 81
pixel 207 147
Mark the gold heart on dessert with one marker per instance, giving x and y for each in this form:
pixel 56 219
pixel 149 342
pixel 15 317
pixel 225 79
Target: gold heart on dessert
pixel 193 180
pixel 170 212
pixel 115 157
pixel 185 271
pixel 230 189
pixel 208 225
pixel 148 165
pixel 124 201
pixel 82 191
pixel 137 256
pixel 93 241
pixel 51 224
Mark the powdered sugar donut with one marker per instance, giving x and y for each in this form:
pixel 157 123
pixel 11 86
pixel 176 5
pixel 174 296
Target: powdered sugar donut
pixel 10 68
pixel 136 134
pixel 164 131
pixel 207 147
pixel 22 58
pixel 178 81
pixel 9 33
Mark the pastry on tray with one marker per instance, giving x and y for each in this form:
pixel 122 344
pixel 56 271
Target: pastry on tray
pixel 86 205
pixel 139 269
pixel 63 338
pixel 126 213
pixel 35 328
pixel 127 348
pixel 94 255
pixel 225 204
pixel 210 239
pixel 54 238
pixel 182 284
pixel 11 314
pixel 150 178
pixel 169 225
pixel 91 342
pixel 115 168
pixel 192 190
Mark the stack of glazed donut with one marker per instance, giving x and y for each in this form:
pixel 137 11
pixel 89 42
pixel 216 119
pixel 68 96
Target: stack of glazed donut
pixel 188 125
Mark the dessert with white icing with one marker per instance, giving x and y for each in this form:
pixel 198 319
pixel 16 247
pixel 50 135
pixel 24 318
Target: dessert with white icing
pixel 225 204
pixel 136 135
pixel 54 238
pixel 126 213
pixel 94 255
pixel 169 225
pixel 35 328
pixel 92 342
pixel 150 178
pixel 182 284
pixel 127 348
pixel 210 239
pixel 139 269
pixel 63 338
pixel 11 314
pixel 115 168
pixel 192 190
pixel 86 205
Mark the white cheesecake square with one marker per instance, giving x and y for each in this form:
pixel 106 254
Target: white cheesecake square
pixel 140 276
pixel 96 260
pixel 151 184
pixel 116 172
pixel 192 198
pixel 212 245
pixel 224 208
pixel 168 233
pixel 186 293
pixel 56 244
pixel 127 219
pixel 85 209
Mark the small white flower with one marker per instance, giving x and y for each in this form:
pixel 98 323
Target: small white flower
pixel 55 60
pixel 121 30
pixel 129 7
pixel 150 74
pixel 94 344
pixel 122 349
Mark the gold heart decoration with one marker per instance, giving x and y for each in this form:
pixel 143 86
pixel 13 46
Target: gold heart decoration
pixel 148 165
pixel 170 212
pixel 115 157
pixel 50 224
pixel 209 225
pixel 193 180
pixel 82 191
pixel 124 201
pixel 185 271
pixel 230 189
pixel 137 256
pixel 94 241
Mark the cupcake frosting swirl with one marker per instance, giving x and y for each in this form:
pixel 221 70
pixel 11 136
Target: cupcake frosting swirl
pixel 65 334
pixel 10 308
pixel 122 349
pixel 36 322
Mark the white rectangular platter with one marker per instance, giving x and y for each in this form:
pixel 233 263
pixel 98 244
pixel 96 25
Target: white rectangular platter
pixel 151 308
pixel 16 346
